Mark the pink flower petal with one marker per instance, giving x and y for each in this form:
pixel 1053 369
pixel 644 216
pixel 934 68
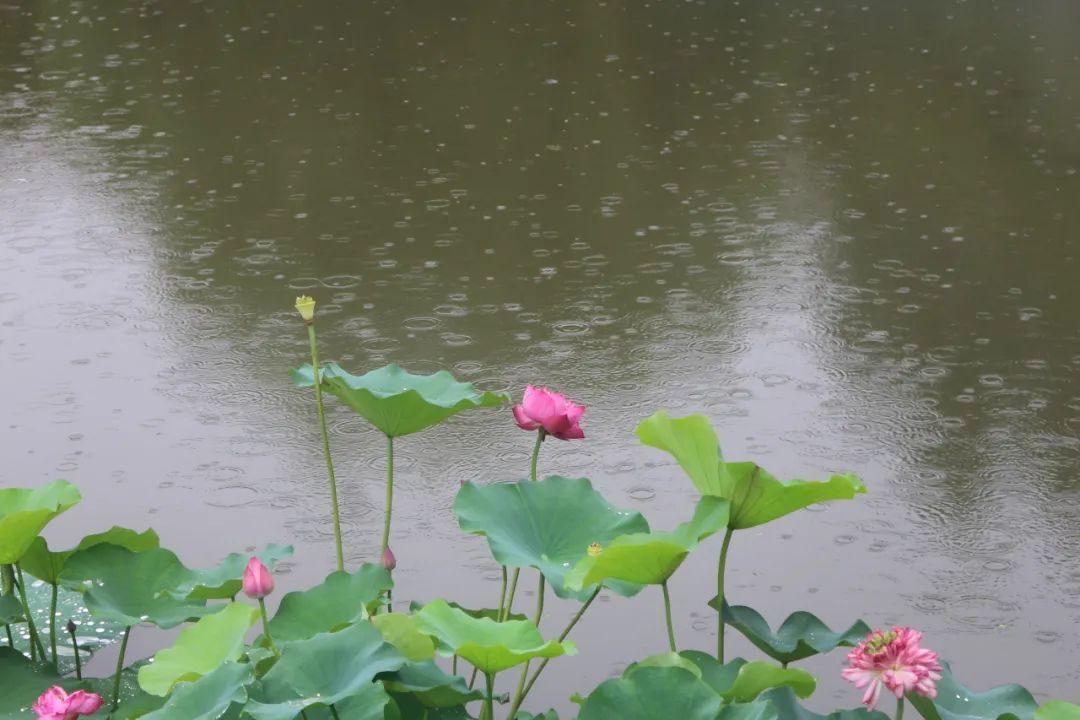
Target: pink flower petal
pixel 523 420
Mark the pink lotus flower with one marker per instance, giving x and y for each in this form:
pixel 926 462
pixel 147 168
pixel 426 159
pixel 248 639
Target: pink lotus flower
pixel 388 560
pixel 258 582
pixel 55 704
pixel 554 413
pixel 894 660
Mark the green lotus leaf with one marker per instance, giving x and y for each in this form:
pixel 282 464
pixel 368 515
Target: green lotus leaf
pixel 199 649
pixel 431 687
pixel 741 681
pixel 800 636
pixel 140 705
pixel 549 715
pixel 132 587
pixel 488 645
pixel 400 630
pixel 372 703
pixel 25 512
pixel 11 610
pixel 490 613
pixel 956 702
pixel 397 402
pixel 21 683
pixel 788 708
pixel 756 496
pixel 409 708
pixel 224 580
pixel 668 659
pixel 210 697
pixel 547 525
pixel 760 710
pixel 340 600
pixel 650 558
pixel 652 693
pixel 1058 710
pixel 45 564
pixel 324 669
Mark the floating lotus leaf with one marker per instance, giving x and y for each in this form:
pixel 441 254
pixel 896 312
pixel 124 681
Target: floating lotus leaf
pixel 341 599
pixel 210 697
pixel 199 649
pixel 11 610
pixel 397 402
pixel 400 630
pixel 788 707
pixel 756 496
pixel 224 580
pixel 1058 710
pixel 801 635
pixel 132 587
pixel 431 687
pixel 45 564
pixel 741 681
pixel 488 645
pixel 547 525
pixel 652 693
pixel 956 702
pixel 25 512
pixel 324 669
pixel 649 558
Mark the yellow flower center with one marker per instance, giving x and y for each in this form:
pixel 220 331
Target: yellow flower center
pixel 595 549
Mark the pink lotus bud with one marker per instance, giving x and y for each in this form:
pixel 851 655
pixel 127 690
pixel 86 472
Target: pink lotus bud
pixel 388 560
pixel 543 409
pixel 258 582
pixel 55 704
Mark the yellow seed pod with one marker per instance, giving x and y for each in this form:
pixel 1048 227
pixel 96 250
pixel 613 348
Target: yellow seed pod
pixel 306 307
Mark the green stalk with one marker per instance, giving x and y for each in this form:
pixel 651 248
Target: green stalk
pixel 502 593
pixel 900 708
pixel 7 587
pixel 525 667
pixel 52 626
pixel 10 640
pixel 545 661
pixel 721 568
pixel 389 494
pixel 35 639
pixel 489 710
pixel 540 435
pixel 510 598
pixel 75 647
pixel 326 444
pixel 120 668
pixel 333 711
pixel 667 615
pixel 266 628
pixel 453 665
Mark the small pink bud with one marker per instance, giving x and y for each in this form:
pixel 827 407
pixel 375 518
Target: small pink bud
pixel 549 412
pixel 258 582
pixel 388 560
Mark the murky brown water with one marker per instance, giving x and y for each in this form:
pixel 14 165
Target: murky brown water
pixel 848 232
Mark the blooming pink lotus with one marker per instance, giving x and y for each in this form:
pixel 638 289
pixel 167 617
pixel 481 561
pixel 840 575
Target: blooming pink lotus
pixel 545 409
pixel 55 704
pixel 893 659
pixel 258 582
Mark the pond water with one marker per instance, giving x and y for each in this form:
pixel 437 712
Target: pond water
pixel 848 232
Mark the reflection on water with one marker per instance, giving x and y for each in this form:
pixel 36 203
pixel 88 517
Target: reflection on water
pixel 846 232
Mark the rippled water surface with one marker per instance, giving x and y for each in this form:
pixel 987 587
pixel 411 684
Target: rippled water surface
pixel 848 232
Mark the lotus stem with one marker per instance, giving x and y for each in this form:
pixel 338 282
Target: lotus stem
pixel 667 616
pixel 502 593
pixel 453 665
pixel 35 639
pixel 389 494
pixel 326 444
pixel 721 568
pixel 489 710
pixel 540 435
pixel 544 663
pixel 266 628
pixel 10 640
pixel 75 647
pixel 510 598
pixel 120 668
pixel 333 711
pixel 899 708
pixel 52 626
pixel 7 587
pixel 525 668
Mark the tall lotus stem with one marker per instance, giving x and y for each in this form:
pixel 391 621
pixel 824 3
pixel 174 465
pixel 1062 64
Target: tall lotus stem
pixel 35 639
pixel 525 668
pixel 7 587
pixel 120 668
pixel 720 570
pixel 489 710
pixel 389 494
pixel 52 625
pixel 900 708
pixel 540 435
pixel 266 627
pixel 306 307
pixel 667 616
pixel 71 628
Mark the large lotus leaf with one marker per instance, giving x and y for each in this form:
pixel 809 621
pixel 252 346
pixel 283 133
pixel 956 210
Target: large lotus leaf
pixel 45 564
pixel 199 649
pixel 488 645
pixel 400 630
pixel 956 702
pixel 11 610
pixel 409 708
pixel 756 496
pixel 21 683
pixel 209 697
pixel 741 681
pixel 547 525
pixel 492 613
pixel 649 558
pixel 323 669
pixel 224 580
pixel 372 703
pixel 25 512
pixel 432 687
pixel 788 707
pixel 801 635
pixel 398 402
pixel 140 705
pixel 549 715
pixel 668 659
pixel 132 587
pixel 1058 710
pixel 341 599
pixel 652 693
